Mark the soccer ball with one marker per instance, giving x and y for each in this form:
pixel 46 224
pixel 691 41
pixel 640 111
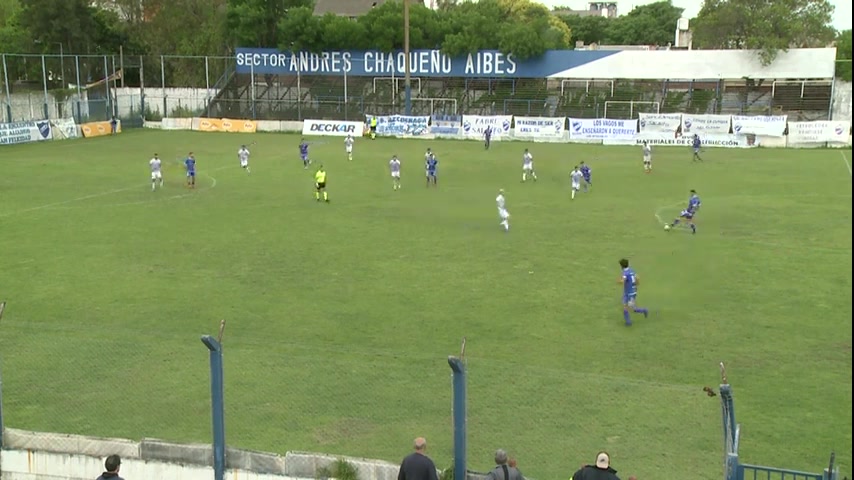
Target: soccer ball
pixel 666 227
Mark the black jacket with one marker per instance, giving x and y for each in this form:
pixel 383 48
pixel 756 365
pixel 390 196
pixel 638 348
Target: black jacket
pixel 109 476
pixel 590 472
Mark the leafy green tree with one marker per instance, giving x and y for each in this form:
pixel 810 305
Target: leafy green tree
pixel 769 27
pixel 589 29
pixel 256 23
pixel 652 24
pixel 49 22
pixel 301 30
pixel 843 55
pixel 13 38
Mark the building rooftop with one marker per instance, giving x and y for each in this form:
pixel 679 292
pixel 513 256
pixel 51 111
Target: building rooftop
pixel 346 8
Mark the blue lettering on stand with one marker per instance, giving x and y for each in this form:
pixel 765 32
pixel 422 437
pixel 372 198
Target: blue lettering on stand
pixel 423 63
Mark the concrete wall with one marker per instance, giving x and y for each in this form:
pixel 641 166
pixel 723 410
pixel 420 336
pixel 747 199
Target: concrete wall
pixel 842 97
pixel 30 106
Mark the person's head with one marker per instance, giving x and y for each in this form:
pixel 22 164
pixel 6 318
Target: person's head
pixel 576 168
pixel 603 460
pixel 113 463
pixel 243 147
pixel 693 192
pixel 500 457
pixel 644 143
pixel 190 154
pixel 501 191
pixel 582 164
pixel 420 445
pixel 320 168
pixel 526 150
pixel 624 263
pixel 156 156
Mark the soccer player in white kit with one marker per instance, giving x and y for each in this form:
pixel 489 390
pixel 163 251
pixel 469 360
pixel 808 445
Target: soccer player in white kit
pixel 528 166
pixel 394 168
pixel 156 172
pixel 503 214
pixel 348 146
pixel 576 177
pixel 243 156
pixel 647 157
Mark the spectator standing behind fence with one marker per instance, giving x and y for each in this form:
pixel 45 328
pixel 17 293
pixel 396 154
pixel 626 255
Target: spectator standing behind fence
pixel 112 466
pixel 417 465
pixel 503 470
pixel 601 470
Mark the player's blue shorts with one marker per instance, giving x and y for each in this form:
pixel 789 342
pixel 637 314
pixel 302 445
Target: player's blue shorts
pixel 687 214
pixel 587 179
pixel 629 298
pixel 303 156
pixel 431 173
pixel 696 149
pixel 191 173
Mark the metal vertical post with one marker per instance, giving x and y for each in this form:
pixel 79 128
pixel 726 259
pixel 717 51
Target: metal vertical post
pixel 832 93
pixel 79 94
pixel 208 97
pixel 122 63
pixel 8 92
pixel 217 403
pixel 345 96
pixel 44 84
pixel 163 84
pixel 252 88
pixel 406 66
pixel 299 87
pixel 114 98
pixel 62 65
pixel 2 428
pixel 459 371
pixel 142 88
pixel 107 86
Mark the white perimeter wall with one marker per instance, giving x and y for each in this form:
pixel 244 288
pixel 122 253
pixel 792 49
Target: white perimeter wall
pixel 30 465
pixel 842 101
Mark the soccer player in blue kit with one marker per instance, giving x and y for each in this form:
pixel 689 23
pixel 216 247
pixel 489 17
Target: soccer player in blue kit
pixel 689 212
pixel 431 166
pixel 303 154
pixel 587 174
pixel 696 143
pixel 190 165
pixel 487 137
pixel 629 279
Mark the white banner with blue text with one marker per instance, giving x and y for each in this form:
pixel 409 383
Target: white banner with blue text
pixel 804 133
pixel 705 124
pixel 602 129
pixel 402 125
pixel 662 139
pixel 446 125
pixel 25 132
pixel 660 122
pixel 474 126
pixel 332 128
pixel 541 128
pixel 768 126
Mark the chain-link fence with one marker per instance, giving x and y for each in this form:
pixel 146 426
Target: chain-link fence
pixel 90 88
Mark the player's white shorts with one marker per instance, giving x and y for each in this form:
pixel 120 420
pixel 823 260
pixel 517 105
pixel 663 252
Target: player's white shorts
pixel 395 174
pixel 576 185
pixel 528 167
pixel 647 159
pixel 156 175
pixel 244 162
pixel 348 149
pixel 503 214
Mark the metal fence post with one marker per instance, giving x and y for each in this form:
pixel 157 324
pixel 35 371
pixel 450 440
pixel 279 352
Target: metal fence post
pixel 217 402
pixel 2 428
pixel 79 116
pixel 458 368
pixel 44 84
pixel 252 89
pixel 163 85
pixel 8 93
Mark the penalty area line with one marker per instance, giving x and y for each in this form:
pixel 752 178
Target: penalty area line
pixel 847 163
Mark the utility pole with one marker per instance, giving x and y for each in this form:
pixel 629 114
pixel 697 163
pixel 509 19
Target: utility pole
pixel 406 66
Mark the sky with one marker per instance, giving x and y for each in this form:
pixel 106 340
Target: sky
pixel 841 16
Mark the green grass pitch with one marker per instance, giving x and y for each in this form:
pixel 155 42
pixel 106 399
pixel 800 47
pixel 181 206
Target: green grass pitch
pixel 341 315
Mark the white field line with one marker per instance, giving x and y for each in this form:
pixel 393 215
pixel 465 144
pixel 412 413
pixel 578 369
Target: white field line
pixel 847 163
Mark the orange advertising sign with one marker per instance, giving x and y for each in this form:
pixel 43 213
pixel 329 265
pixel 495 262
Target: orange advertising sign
pixel 227 125
pixel 99 129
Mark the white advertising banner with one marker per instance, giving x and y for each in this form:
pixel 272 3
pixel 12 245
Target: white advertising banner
pixel 65 128
pixel 659 122
pixel 670 140
pixel 818 132
pixel 25 132
pixel 402 125
pixel 705 124
pixel 333 128
pixel 768 126
pixel 475 125
pixel 602 129
pixel 539 127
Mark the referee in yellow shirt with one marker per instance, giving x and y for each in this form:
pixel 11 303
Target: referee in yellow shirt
pixel 320 184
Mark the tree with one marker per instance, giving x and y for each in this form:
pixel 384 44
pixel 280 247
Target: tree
pixel 49 22
pixel 12 37
pixel 652 24
pixel 762 25
pixel 589 29
pixel 843 55
pixel 256 23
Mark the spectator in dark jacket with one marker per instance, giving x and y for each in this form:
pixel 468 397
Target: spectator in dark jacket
pixel 502 470
pixel 112 465
pixel 417 465
pixel 601 470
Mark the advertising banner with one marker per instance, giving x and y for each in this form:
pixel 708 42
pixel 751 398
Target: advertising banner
pixel 402 125
pixel 819 132
pixel 226 125
pixel 602 129
pixel 705 124
pixel 333 128
pixel 659 122
pixel 768 126
pixel 475 125
pixel 99 129
pixel 446 125
pixel 25 132
pixel 64 128
pixel 539 127
pixel 670 140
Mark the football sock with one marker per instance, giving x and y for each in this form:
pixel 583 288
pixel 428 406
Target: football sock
pixel 675 222
pixel 642 311
pixel 325 196
pixel 627 317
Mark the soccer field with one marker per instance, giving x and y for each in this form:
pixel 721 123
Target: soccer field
pixel 341 315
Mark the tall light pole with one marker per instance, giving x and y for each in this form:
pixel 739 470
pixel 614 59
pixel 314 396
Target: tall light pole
pixel 406 66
